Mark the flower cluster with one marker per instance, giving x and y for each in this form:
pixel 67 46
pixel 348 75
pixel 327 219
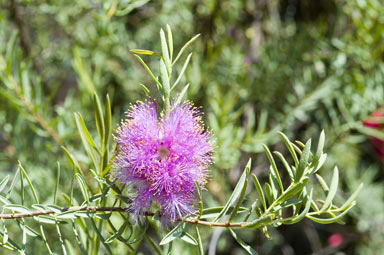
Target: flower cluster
pixel 160 158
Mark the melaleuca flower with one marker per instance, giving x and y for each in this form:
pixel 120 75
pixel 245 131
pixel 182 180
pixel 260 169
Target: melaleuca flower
pixel 161 157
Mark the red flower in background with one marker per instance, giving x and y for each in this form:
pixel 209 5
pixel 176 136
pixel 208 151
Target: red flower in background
pixel 376 121
pixel 335 240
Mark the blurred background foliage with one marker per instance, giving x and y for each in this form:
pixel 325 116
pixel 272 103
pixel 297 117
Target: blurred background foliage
pixel 297 66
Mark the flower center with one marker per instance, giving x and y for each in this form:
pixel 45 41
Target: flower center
pixel 163 152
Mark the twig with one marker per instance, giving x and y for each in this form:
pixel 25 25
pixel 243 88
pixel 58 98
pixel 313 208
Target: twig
pixel 33 111
pixel 6 216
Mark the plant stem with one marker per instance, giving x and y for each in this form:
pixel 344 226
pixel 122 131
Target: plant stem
pixel 5 216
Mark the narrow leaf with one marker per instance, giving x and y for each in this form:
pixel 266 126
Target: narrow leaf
pixel 99 117
pixel 57 183
pixel 184 47
pixel 173 234
pixel 107 122
pixel 351 198
pixel 295 219
pixel 182 71
pixel 333 219
pixel 213 212
pixel 332 190
pixel 303 161
pixel 4 182
pixel 320 146
pixel 145 52
pixel 322 183
pixel 242 193
pixel 182 94
pixel 285 163
pixel 268 193
pixel 83 186
pixel 188 238
pixel 199 241
pixel 235 194
pixel 164 79
pixel 148 71
pixel 17 208
pixel 197 185
pixel 274 167
pixel 261 222
pixel 170 42
pixel 288 144
pixel 259 190
pixel 243 244
pixel 164 52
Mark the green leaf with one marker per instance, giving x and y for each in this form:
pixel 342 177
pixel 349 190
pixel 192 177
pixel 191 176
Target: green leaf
pixel 332 190
pixel 54 208
pixel 4 200
pixel 117 233
pixel 318 163
pixel 182 71
pixel 213 212
pixel 320 146
pixel 242 193
pixel 322 183
pixel 199 241
pixel 145 89
pixel 184 47
pixel 293 189
pixel 188 238
pixel 333 219
pixel 107 123
pixel 101 238
pixel 289 146
pixel 83 186
pixel 285 163
pixel 81 70
pixel 24 173
pixel 303 161
pixel 274 167
pixel 268 193
pixel 170 42
pixel 57 183
pixel 240 186
pixel 165 53
pixel 149 71
pixel 287 204
pixel 66 215
pixel 145 52
pixel 17 208
pixel 297 218
pixel 258 223
pixel 259 190
pixel 99 117
pixel 173 234
pixel 4 182
pixel 197 186
pixel 13 183
pixel 182 94
pixel 164 79
pixel 243 244
pixel 29 231
pixel 86 138
pixel 47 219
pixel 351 198
pixel 40 208
pixel 274 184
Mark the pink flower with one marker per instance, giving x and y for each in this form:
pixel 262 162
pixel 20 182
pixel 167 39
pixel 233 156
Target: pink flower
pixel 335 240
pixel 160 158
pixel 374 120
